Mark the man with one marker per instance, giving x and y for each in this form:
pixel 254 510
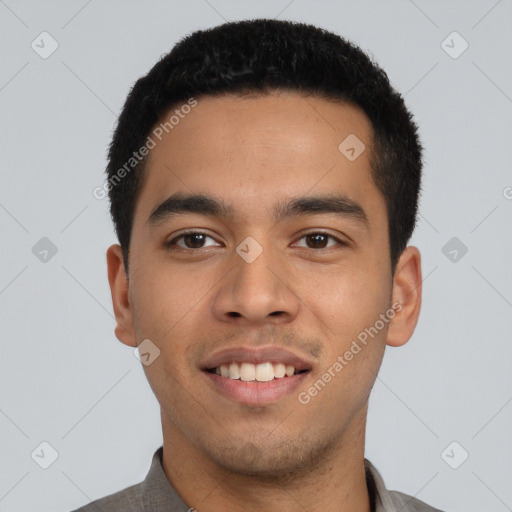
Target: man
pixel 264 180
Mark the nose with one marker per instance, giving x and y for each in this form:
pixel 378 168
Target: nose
pixel 257 292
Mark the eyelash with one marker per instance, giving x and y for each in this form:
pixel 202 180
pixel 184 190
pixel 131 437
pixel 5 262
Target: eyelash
pixel 171 244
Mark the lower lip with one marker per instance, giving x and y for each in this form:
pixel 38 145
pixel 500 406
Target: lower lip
pixel 255 393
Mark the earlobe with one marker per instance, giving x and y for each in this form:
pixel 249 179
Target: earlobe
pixel 119 289
pixel 407 289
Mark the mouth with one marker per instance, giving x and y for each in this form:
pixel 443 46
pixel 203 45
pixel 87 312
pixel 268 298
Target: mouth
pixel 255 376
pixel 249 372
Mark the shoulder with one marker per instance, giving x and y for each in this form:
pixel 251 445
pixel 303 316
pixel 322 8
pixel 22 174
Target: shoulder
pixel 132 498
pixel 127 500
pixel 391 501
pixel 408 503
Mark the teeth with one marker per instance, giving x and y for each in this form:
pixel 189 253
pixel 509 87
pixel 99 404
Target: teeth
pixel 263 372
pixel 234 371
pixel 279 370
pixel 247 371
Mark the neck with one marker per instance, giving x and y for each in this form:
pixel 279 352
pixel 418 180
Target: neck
pixel 335 483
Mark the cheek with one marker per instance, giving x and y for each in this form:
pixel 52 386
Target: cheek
pixel 347 306
pixel 165 297
pixel 347 299
pixel 167 308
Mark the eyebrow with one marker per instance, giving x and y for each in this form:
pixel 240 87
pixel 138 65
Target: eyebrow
pixel 179 204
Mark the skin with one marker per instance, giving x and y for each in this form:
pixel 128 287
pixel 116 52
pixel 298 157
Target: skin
pixel 312 299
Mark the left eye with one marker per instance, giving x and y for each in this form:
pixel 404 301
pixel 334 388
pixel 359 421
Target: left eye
pixel 194 237
pixel 320 238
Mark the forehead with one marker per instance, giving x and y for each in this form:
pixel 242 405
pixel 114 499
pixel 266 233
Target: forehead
pixel 256 151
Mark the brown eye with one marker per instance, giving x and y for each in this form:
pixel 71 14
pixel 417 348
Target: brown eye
pixel 191 240
pixel 319 240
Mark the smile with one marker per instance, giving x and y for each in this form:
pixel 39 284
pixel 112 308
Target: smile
pixel 262 372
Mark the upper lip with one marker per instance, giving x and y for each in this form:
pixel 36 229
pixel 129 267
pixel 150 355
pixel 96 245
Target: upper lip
pixel 258 355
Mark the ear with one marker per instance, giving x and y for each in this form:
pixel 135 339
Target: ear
pixel 407 296
pixel 119 289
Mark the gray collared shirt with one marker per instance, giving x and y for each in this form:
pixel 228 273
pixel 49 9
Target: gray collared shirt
pixel 156 494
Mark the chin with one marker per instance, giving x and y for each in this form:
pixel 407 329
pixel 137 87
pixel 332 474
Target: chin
pixel 266 461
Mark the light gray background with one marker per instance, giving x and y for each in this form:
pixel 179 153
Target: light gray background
pixel 64 377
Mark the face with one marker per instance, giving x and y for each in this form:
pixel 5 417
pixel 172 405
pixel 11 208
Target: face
pixel 265 284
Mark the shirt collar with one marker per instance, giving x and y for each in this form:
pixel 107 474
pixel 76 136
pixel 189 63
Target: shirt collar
pixel 380 499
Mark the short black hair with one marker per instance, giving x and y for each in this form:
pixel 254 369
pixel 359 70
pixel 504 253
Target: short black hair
pixel 261 56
